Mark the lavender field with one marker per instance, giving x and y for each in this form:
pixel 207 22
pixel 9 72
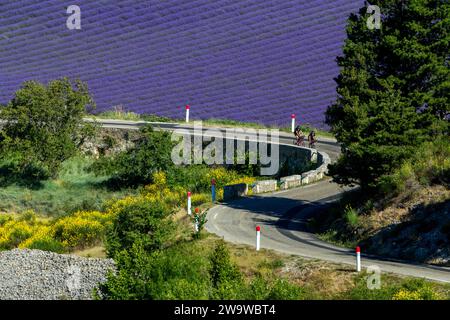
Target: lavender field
pixel 248 60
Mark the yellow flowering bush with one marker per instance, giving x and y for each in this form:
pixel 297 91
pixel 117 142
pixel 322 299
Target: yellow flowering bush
pixel 200 198
pixel 115 206
pixel 159 191
pixel 246 180
pixel 42 239
pixel 159 178
pixel 14 232
pixel 219 194
pixel 78 230
pixel 5 218
pixel 81 229
pixel 404 294
pixel 424 293
pixel 85 228
pixel 222 176
pixel 104 218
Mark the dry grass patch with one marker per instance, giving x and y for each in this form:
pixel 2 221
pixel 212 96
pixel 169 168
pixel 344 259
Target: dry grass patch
pixel 93 252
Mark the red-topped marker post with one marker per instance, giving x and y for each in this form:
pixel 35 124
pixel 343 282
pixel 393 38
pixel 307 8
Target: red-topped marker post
pixel 358 259
pixel 189 203
pixel 293 122
pixel 188 108
pixel 258 237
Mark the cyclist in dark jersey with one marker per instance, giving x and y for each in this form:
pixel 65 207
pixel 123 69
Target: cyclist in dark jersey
pixel 299 136
pixel 312 139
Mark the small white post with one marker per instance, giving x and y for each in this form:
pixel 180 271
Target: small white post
pixel 189 203
pixel 187 113
pixel 293 123
pixel 258 237
pixel 358 259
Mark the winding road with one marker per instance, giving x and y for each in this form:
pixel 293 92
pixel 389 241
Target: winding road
pixel 283 216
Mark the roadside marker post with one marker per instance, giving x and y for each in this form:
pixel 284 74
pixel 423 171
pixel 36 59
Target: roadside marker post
pixel 258 237
pixel 188 108
pixel 358 259
pixel 213 190
pixel 189 203
pixel 293 123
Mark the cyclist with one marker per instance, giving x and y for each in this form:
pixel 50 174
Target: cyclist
pixel 312 139
pixel 300 137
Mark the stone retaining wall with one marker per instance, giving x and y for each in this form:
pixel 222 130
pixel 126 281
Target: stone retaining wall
pixel 235 191
pixel 323 160
pixel 264 186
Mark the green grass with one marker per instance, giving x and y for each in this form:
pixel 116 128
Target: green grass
pixel 234 123
pixel 118 114
pixel 131 116
pixel 74 189
pixel 332 236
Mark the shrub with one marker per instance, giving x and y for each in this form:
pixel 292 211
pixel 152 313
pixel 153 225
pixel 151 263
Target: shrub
pixel 283 290
pixel 43 240
pixel 222 177
pixel 351 216
pixel 360 291
pixel 159 179
pixel 222 270
pixel 272 289
pixel 14 232
pixel 139 220
pixel 81 229
pixel 200 198
pixel 183 289
pixel 5 218
pixel 136 166
pixel 175 273
pixel 429 164
pixel 403 294
pixel 247 168
pixel 76 232
pixel 416 289
pixel 130 282
pixel 172 198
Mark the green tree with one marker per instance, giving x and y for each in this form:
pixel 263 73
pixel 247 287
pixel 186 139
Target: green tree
pixel 393 88
pixel 44 126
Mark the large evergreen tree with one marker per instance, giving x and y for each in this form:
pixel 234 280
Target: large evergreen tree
pixel 393 88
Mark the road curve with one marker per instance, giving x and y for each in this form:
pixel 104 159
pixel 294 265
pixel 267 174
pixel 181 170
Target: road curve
pixel 283 215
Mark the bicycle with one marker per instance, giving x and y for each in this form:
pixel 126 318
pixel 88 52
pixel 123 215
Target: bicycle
pixel 299 141
pixel 312 144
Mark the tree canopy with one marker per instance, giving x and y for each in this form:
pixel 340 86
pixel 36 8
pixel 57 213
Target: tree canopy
pixel 44 126
pixel 393 88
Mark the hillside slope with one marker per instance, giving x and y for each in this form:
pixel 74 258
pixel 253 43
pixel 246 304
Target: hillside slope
pixel 408 218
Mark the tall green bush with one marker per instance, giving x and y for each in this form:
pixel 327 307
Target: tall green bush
pixel 136 166
pixel 145 222
pixel 44 127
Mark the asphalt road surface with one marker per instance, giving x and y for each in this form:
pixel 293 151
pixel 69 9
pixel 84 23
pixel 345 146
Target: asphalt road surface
pixel 283 216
